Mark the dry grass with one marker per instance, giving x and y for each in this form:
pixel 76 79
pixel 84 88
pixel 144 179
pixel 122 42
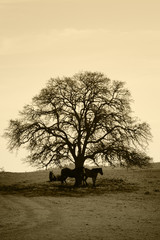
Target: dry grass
pixel 125 205
pixel 113 181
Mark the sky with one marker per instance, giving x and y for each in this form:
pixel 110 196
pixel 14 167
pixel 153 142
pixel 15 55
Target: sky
pixel 40 39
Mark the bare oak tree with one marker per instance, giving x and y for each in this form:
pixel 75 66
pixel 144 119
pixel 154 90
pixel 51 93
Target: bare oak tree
pixel 85 117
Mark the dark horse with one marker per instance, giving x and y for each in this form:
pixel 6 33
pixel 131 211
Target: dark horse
pixel 92 173
pixel 76 173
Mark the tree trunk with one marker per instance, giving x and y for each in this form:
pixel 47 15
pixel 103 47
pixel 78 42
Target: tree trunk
pixel 79 172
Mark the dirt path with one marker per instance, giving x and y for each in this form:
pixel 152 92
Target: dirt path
pixel 111 217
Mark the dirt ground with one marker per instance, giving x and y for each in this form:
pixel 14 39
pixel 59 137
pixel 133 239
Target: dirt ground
pixel 124 205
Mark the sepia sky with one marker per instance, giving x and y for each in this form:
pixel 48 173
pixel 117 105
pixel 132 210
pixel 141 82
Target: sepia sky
pixel 40 39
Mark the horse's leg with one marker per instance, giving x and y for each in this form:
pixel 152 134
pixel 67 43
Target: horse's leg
pixel 63 179
pixel 94 181
pixel 85 180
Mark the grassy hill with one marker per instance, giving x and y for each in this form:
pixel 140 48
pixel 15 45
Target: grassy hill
pixel 113 180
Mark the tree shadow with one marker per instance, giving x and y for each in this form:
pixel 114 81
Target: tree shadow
pixel 55 189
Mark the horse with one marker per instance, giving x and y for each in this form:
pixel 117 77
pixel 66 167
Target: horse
pixel 76 173
pixel 92 173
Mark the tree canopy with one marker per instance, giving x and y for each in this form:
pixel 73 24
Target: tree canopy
pixel 83 117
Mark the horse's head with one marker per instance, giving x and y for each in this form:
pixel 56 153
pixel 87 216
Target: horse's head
pixel 50 176
pixel 101 171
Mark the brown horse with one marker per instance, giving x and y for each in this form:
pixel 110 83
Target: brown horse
pixel 92 173
pixel 76 173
